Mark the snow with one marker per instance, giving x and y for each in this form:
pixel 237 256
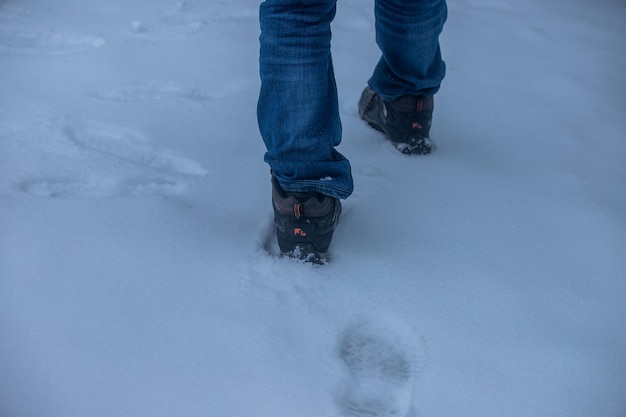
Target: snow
pixel 135 218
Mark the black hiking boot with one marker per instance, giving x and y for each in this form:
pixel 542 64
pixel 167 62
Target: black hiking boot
pixel 405 121
pixel 305 222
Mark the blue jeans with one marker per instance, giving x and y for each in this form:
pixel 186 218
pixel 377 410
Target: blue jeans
pixel 298 112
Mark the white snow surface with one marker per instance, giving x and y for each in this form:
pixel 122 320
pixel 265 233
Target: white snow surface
pixel 136 267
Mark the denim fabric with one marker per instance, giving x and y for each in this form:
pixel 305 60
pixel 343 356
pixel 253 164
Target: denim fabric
pixel 298 112
pixel 407 33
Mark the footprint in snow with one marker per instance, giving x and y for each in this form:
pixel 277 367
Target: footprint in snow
pixel 77 188
pixel 147 92
pixel 118 162
pixel 130 146
pixel 24 42
pixel 9 13
pixel 382 357
pixel 141 92
pixel 182 17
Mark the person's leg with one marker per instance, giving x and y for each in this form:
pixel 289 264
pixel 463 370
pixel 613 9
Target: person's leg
pixel 298 117
pixel 297 110
pixel 399 100
pixel 407 33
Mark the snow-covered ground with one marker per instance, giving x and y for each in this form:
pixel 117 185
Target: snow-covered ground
pixel 135 220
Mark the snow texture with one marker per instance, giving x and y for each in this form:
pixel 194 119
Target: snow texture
pixel 138 269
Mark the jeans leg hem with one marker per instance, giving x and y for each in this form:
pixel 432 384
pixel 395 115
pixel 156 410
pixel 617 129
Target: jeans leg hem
pixel 320 186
